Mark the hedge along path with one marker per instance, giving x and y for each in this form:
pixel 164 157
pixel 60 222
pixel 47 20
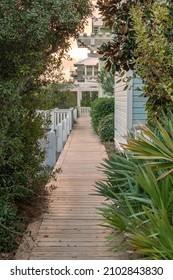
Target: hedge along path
pixel 71 228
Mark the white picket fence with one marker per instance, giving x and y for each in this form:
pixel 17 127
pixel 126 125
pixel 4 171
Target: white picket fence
pixel 62 121
pixel 83 111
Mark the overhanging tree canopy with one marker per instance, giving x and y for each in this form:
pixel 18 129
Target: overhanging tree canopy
pixel 142 42
pixel 31 32
pixel 118 53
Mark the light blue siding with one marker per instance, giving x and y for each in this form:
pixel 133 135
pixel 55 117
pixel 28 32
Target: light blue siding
pixel 137 81
pixel 129 108
pixel 120 112
pixel 138 103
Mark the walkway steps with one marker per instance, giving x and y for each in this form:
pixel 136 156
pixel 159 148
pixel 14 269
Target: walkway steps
pixel 72 227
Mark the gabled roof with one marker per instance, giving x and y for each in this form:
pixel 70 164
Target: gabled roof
pixel 90 61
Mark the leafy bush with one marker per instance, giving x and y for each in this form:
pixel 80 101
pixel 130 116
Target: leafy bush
pixel 30 32
pixel 106 128
pixel 56 95
pixel 118 53
pixel 143 43
pixel 139 190
pixel 153 54
pixel 106 80
pixel 100 108
pixel 10 224
pixel 21 172
pixel 88 98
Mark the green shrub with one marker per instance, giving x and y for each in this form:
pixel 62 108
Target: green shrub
pixel 106 80
pixel 28 40
pixel 139 191
pixel 153 54
pixel 100 108
pixel 22 174
pixel 88 98
pixel 9 224
pixel 56 95
pixel 106 128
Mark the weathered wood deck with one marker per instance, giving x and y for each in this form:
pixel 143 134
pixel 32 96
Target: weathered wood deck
pixel 71 229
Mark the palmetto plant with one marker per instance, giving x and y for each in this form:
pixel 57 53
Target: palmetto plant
pixel 154 237
pixel 120 173
pixel 139 192
pixel 154 145
pixel 119 211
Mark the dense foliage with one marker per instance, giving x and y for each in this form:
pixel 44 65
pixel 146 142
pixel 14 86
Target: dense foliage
pixel 118 53
pixel 100 108
pixel 139 180
pixel 31 32
pixel 142 42
pixel 139 190
pixel 106 80
pixel 154 54
pixel 57 95
pixel 106 128
pixel 88 98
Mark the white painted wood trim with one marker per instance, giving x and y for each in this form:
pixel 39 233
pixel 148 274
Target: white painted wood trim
pixel 130 101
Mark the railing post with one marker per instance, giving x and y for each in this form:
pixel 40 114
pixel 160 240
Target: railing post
pixel 52 120
pixel 71 118
pixel 59 138
pixel 84 111
pixel 79 111
pixel 64 130
pixel 68 124
pixel 75 114
pixel 51 148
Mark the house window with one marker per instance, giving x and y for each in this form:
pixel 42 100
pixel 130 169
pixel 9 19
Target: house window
pixel 89 70
pixel 95 29
pixel 96 70
pixel 81 73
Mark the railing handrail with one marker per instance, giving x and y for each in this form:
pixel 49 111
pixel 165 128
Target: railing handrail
pixel 62 121
pixel 84 111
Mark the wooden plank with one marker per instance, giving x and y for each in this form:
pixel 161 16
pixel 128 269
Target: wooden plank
pixel 72 243
pixel 98 216
pixel 76 258
pixel 43 250
pixel 69 227
pixel 76 210
pixel 76 254
pixel 82 231
pixel 71 201
pixel 65 222
pixel 77 238
pixel 72 227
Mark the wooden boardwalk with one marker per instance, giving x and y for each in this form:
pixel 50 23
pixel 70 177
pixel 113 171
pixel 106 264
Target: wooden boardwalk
pixel 71 228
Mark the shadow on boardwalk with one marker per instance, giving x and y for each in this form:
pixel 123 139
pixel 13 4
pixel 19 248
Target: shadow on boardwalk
pixel 71 228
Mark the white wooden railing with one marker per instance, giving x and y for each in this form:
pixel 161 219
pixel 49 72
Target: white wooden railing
pixel 61 124
pixel 83 111
pixel 62 121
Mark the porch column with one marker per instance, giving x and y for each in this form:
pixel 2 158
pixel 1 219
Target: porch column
pixel 79 97
pixel 100 91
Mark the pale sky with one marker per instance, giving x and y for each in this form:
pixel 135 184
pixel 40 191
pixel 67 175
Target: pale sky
pixel 76 53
